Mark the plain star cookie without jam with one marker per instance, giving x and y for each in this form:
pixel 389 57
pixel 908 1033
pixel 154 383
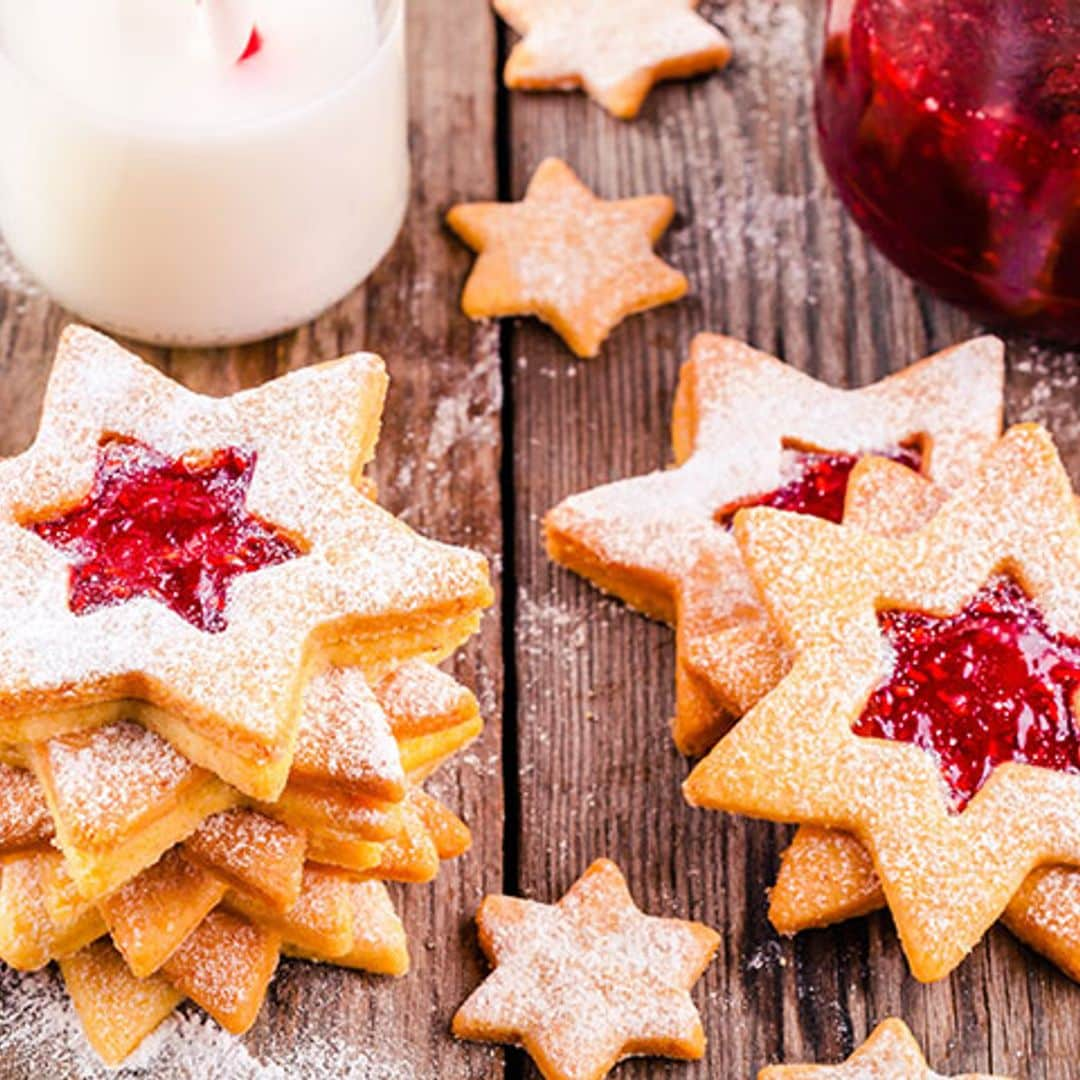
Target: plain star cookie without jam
pixel 291 566
pixel 827 876
pixel 748 429
pixel 955 814
pixel 891 1053
pixel 587 981
pixel 580 263
pixel 617 50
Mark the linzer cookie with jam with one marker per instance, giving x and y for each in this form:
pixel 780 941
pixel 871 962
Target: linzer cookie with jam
pixel 187 562
pixel 909 718
pixel 750 431
pixel 617 50
pixel 827 876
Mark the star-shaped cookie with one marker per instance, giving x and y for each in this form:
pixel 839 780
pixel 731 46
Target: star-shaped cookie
pixel 616 49
pixel 663 543
pixel 580 263
pixel 948 865
pixel 585 982
pixel 827 876
pixel 358 587
pixel 891 1053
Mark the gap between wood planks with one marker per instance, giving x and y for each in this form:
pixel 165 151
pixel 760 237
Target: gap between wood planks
pixel 514 1067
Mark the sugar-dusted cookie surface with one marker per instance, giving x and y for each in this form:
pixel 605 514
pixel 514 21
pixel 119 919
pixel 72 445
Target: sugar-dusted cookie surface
pixel 617 50
pixel 289 564
pixel 891 1053
pixel 950 854
pixel 582 983
pixel 827 876
pixel 663 543
pixel 580 263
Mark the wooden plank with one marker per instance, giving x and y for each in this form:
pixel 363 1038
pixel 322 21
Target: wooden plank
pixel 774 260
pixel 438 466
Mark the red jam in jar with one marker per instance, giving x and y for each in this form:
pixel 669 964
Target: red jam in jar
pixel 951 129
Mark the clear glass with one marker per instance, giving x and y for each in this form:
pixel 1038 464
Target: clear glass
pixel 207 234
pixel 951 129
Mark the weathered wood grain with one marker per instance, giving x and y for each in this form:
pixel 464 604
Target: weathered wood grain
pixel 774 260
pixel 589 768
pixel 438 466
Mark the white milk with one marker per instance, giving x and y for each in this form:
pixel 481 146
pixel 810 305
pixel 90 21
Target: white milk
pixel 167 193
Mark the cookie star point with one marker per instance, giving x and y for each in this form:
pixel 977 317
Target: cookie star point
pixel 616 50
pixel 890 1053
pixel 580 263
pixel 589 980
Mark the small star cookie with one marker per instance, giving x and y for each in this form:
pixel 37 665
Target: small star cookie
pixel 590 980
pixel 905 719
pixel 748 428
pixel 616 49
pixel 891 1053
pixel 580 263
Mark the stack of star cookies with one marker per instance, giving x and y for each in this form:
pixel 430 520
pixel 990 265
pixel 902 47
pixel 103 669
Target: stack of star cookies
pixel 876 598
pixel 219 702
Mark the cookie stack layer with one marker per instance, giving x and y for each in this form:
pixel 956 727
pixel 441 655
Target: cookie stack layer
pixel 220 702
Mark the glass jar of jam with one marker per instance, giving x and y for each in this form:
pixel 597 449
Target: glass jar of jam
pixel 951 129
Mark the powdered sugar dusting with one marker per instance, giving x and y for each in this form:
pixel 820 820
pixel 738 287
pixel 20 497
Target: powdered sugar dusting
pixel 825 875
pixel 608 45
pixel 13 278
pixel 362 567
pixel 947 876
pixel 1044 386
pixel 107 781
pixel 655 539
pixel 580 263
pixel 40 1035
pixel 345 737
pixel 588 976
pixel 419 698
pixel 225 964
pixel 24 815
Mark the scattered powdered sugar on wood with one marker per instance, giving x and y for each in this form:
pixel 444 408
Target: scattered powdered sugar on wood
pixel 40 1036
pixel 469 414
pixel 13 278
pixel 1044 386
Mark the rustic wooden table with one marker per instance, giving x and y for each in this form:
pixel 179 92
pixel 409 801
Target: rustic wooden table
pixel 487 427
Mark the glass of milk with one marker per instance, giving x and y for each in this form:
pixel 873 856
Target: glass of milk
pixel 201 172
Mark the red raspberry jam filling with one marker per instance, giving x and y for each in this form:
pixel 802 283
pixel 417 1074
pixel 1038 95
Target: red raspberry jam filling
pixel 816 483
pixel 991 684
pixel 172 529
